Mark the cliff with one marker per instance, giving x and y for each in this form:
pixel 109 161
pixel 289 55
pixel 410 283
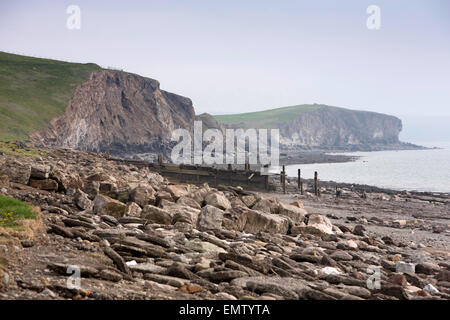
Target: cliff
pixel 337 127
pixel 322 127
pixel 118 113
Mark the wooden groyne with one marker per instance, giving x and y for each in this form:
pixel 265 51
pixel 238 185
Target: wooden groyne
pixel 196 174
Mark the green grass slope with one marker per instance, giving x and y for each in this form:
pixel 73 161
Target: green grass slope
pixel 267 118
pixel 34 90
pixel 12 210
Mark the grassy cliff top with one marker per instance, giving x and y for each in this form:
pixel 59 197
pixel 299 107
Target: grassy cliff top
pixel 34 90
pixel 267 118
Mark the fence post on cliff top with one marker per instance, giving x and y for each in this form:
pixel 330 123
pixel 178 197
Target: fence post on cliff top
pixel 283 179
pixel 316 184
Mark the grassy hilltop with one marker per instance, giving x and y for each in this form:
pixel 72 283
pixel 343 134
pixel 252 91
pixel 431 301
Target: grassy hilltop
pixel 34 90
pixel 267 118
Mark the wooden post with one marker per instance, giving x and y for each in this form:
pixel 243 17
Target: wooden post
pixel 283 179
pixel 248 167
pixel 160 159
pixel 316 184
pixel 299 182
pixel 230 167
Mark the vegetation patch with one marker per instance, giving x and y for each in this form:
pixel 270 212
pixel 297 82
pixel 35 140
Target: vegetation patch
pixel 19 149
pixel 13 210
pixel 34 90
pixel 268 118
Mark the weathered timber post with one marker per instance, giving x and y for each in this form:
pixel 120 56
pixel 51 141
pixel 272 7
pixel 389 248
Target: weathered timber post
pixel 316 184
pixel 299 182
pixel 160 159
pixel 283 179
pixel 230 167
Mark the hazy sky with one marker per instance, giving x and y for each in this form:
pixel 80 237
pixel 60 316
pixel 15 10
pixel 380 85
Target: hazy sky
pixel 237 56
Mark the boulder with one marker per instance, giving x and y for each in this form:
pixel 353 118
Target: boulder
pixel 40 171
pixel 301 229
pixel 427 268
pixel 4 180
pixel 46 184
pixel 4 281
pixel 430 289
pixel 398 279
pixel 235 219
pixel 296 214
pixel 162 195
pixel 182 213
pixel 100 176
pixel 17 172
pixel 177 191
pixel 82 200
pixel 297 203
pixel 66 180
pixel 156 215
pixel 444 275
pixel 186 201
pixel 143 195
pixel 326 271
pixel 268 205
pixel 341 256
pixel 104 205
pixel 155 180
pixel 359 230
pixel 399 223
pixel 132 210
pixel 218 200
pixel 320 222
pixel 200 194
pixel 265 222
pixel 92 188
pixel 203 246
pixel 286 287
pixel 403 267
pixel 210 218
pixel 237 202
pixel 110 275
pixel 249 200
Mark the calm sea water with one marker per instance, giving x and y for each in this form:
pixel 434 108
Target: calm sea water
pixel 420 170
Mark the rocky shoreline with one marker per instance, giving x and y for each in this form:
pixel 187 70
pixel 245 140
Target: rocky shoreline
pixel 134 235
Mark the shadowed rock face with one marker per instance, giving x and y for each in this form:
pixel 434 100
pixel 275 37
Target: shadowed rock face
pixel 336 127
pixel 119 113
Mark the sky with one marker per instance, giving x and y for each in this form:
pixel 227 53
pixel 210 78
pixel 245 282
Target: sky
pixel 240 56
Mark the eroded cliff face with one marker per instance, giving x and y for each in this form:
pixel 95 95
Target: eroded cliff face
pixel 118 113
pixel 331 127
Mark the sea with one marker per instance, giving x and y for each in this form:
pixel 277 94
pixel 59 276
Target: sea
pixel 413 170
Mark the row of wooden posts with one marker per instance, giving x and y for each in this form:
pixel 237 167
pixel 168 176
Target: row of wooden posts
pixel 282 175
pixel 299 181
pixel 230 166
